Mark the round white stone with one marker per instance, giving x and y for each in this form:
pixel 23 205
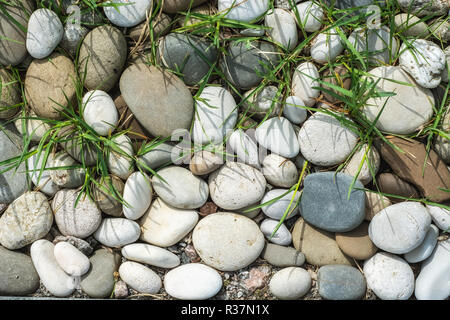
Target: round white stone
pixel 293 110
pixel 278 136
pixel 119 164
pixel 137 194
pixel 180 188
pixel 70 259
pixel 370 165
pixel 140 277
pixel 129 14
pixel 282 237
pixel 279 171
pixel 214 116
pixel 325 141
pixel 243 11
pixel 117 232
pixel 290 283
pixel 311 16
pixel 192 281
pixel 433 282
pixel 389 276
pixel 326 46
pixel 45 31
pixel 164 225
pixel 424 61
pixel 277 209
pixel 244 147
pixel 55 280
pixel 283 28
pixel 152 255
pixel 400 228
pixel 100 112
pixel 236 185
pixel 440 216
pixel 304 82
pixel 425 249
pixel 227 241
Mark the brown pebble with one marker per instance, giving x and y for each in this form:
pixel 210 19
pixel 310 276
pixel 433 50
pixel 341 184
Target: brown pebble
pixel 356 243
pixel 208 208
pixel 391 184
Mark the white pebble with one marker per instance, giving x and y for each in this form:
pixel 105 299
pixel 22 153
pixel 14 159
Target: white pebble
pixel 100 112
pixel 140 277
pixel 71 260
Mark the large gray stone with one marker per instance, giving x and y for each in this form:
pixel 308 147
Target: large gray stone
pixel 340 282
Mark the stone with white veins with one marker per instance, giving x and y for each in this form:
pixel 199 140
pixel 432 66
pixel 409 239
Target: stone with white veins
pixel 278 136
pixel 389 276
pixel 70 259
pixel 400 228
pixel 180 188
pixel 137 194
pixel 326 141
pixel 424 61
pixel 279 171
pixel 282 237
pixel 277 209
pixel 119 164
pixel 433 282
pixel 100 112
pixel 117 232
pixel 283 28
pixel 303 83
pixel 236 185
pixel 294 110
pixel 440 216
pixel 244 147
pixel 128 13
pixel 216 113
pixel 152 255
pixel 326 46
pixel 55 280
pixel 192 281
pixel 311 16
pixel 425 249
pixel 243 11
pixel 370 166
pixel 44 33
pixel 140 277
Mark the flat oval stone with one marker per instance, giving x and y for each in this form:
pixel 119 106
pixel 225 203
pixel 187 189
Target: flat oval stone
pixel 404 113
pixel 425 249
pixel 26 220
pixel 18 277
pixel 103 195
pixel 283 28
pixel 356 243
pixel 433 280
pixel 187 54
pixel 127 14
pixel 276 209
pixel 70 259
pixel 99 281
pixel 180 188
pixel 391 184
pixel 140 277
pixel 215 115
pixel 281 256
pixel 137 194
pixel 282 236
pixel 44 33
pixel 244 147
pixel 326 46
pixel 389 276
pixel 339 282
pixel 164 225
pixel 411 26
pixel 205 162
pixel 79 221
pixel 51 274
pixel 121 164
pixel 236 185
pixel 243 11
pixel 152 255
pixel 293 110
pixel 326 205
pixel 325 141
pixel 279 171
pixel 303 82
pixel 440 216
pixel 192 281
pixel 290 283
pixel 227 241
pixel 117 232
pixel 278 136
pixel 100 112
pixel 102 57
pixel 161 108
pixel 158 156
pixel 400 228
pixel 311 16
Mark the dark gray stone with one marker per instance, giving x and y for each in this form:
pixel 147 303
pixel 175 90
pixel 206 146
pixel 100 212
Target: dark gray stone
pixel 340 282
pixel 12 183
pixel 245 63
pixel 190 55
pixel 281 256
pixel 17 274
pixel 324 202
pixel 99 281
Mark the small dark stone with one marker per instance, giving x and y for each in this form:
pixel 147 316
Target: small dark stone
pixel 208 208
